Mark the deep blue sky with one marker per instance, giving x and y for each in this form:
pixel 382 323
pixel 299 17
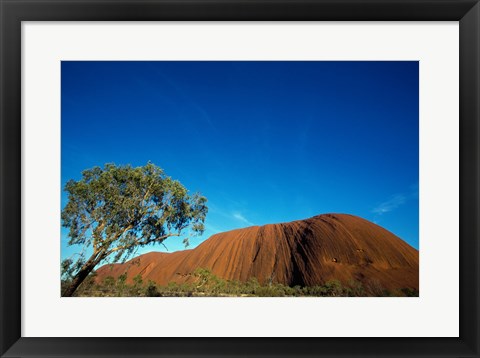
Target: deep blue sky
pixel 265 142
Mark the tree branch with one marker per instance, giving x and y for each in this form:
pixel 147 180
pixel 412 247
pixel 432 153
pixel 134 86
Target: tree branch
pixel 139 242
pixel 96 233
pixel 160 239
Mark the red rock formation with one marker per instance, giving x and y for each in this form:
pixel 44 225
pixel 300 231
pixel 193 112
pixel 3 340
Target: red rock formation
pixel 305 252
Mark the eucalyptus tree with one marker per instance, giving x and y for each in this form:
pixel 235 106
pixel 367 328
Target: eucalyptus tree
pixel 114 210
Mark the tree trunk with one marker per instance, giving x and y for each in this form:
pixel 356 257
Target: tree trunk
pixel 83 273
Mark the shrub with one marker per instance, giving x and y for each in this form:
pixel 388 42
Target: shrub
pixel 205 283
pixel 410 292
pixel 356 289
pixel 122 284
pixel 109 282
pixel 334 288
pixel 151 289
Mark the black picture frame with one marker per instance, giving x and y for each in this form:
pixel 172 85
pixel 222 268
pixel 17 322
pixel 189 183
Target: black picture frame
pixel 13 12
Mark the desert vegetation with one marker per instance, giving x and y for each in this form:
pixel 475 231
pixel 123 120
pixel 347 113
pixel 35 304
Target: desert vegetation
pixel 205 284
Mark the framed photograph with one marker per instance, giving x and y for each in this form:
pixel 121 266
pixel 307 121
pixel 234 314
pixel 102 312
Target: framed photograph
pixel 239 178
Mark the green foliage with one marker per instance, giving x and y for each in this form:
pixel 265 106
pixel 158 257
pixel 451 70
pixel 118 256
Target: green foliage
pixel 117 209
pixel 410 292
pixel 202 283
pixel 356 289
pixel 252 286
pixel 122 284
pixel 151 289
pixel 137 288
pixel 68 268
pixel 138 280
pixel 109 282
pixel 334 288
